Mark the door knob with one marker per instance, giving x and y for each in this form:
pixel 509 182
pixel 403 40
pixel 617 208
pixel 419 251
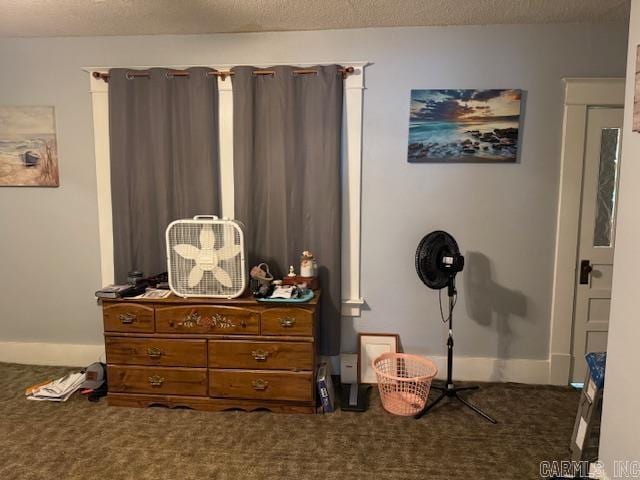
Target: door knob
pixel 585 269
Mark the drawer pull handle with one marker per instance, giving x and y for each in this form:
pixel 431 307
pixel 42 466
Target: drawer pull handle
pixel 259 384
pixel 154 352
pixel 127 318
pixel 287 322
pixel 260 355
pixel 156 381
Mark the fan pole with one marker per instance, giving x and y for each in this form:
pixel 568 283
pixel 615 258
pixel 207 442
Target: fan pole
pixel 449 390
pixel 451 293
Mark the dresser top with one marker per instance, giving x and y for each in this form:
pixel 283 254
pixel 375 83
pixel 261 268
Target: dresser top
pixel 244 300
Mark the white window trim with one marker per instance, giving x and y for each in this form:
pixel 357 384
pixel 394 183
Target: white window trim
pixel 352 302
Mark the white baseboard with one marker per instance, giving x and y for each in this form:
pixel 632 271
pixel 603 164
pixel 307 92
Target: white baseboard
pixel 69 355
pixel 486 369
pixel 479 369
pixel 559 368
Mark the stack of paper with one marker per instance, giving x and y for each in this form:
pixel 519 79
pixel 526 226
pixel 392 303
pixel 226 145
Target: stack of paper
pixel 58 390
pixel 155 293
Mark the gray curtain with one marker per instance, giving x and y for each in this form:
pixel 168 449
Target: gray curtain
pixel 287 142
pixel 164 160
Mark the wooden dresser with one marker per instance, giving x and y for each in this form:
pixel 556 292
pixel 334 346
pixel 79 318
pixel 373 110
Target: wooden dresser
pixel 211 354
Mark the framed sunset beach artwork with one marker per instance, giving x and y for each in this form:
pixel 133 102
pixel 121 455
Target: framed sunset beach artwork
pixel 453 126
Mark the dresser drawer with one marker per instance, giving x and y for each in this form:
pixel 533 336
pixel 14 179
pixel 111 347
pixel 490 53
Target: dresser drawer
pixel 128 317
pixel 287 321
pixel 207 319
pixel 263 385
pixel 156 351
pixel 262 355
pixel 172 381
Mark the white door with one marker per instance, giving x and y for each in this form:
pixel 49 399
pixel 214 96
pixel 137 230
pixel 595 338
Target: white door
pixel 596 241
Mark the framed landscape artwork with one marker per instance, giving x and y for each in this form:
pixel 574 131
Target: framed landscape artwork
pixel 453 126
pixel 28 149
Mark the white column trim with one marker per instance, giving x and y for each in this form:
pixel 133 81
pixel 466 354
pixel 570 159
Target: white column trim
pixel 351 157
pixel 225 112
pixel 579 95
pixel 352 191
pixel 100 105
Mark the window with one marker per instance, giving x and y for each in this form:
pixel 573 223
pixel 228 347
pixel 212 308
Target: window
pixel 352 168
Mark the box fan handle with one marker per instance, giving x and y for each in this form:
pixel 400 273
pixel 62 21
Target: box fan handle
pixel 210 217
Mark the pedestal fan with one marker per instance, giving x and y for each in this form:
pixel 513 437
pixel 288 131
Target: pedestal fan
pixel 438 260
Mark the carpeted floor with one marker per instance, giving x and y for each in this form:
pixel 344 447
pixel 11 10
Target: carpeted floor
pixel 85 441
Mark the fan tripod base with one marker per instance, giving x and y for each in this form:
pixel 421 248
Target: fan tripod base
pixel 452 392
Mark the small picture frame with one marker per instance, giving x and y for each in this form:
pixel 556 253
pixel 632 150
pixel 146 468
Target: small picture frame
pixel 370 347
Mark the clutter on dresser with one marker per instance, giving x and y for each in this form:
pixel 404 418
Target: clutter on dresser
pixel 134 276
pixel 277 290
pixel 308 272
pixel 265 288
pixel 285 292
pixel 138 285
pixel 154 293
pixel 289 294
pixel 293 287
pixel 261 279
pixel 115 291
pixel 308 265
pixel 308 282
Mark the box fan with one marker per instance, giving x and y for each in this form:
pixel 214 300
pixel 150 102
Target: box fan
pixel 206 257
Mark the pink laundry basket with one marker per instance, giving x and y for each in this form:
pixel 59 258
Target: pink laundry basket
pixel 404 382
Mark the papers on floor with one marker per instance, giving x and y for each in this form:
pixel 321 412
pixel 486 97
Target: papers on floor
pixel 58 390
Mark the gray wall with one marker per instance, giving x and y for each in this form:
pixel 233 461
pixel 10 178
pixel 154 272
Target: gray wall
pixel 502 215
pixel 619 440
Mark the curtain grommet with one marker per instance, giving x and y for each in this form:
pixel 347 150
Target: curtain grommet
pixel 128 76
pixel 263 73
pixel 304 73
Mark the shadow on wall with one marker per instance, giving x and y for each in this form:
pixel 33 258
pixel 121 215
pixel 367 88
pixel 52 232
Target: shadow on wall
pixel 487 303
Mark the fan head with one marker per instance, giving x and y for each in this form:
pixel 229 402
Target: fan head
pixel 438 259
pixel 206 257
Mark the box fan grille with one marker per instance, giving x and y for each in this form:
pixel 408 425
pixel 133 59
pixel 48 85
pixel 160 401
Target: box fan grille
pixel 206 257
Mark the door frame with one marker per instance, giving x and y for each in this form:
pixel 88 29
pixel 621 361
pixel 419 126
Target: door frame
pixel 579 95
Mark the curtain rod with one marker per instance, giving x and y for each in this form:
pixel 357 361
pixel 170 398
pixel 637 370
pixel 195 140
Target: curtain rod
pixel 345 71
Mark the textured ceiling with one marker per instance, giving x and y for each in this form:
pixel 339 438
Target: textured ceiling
pixel 20 18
